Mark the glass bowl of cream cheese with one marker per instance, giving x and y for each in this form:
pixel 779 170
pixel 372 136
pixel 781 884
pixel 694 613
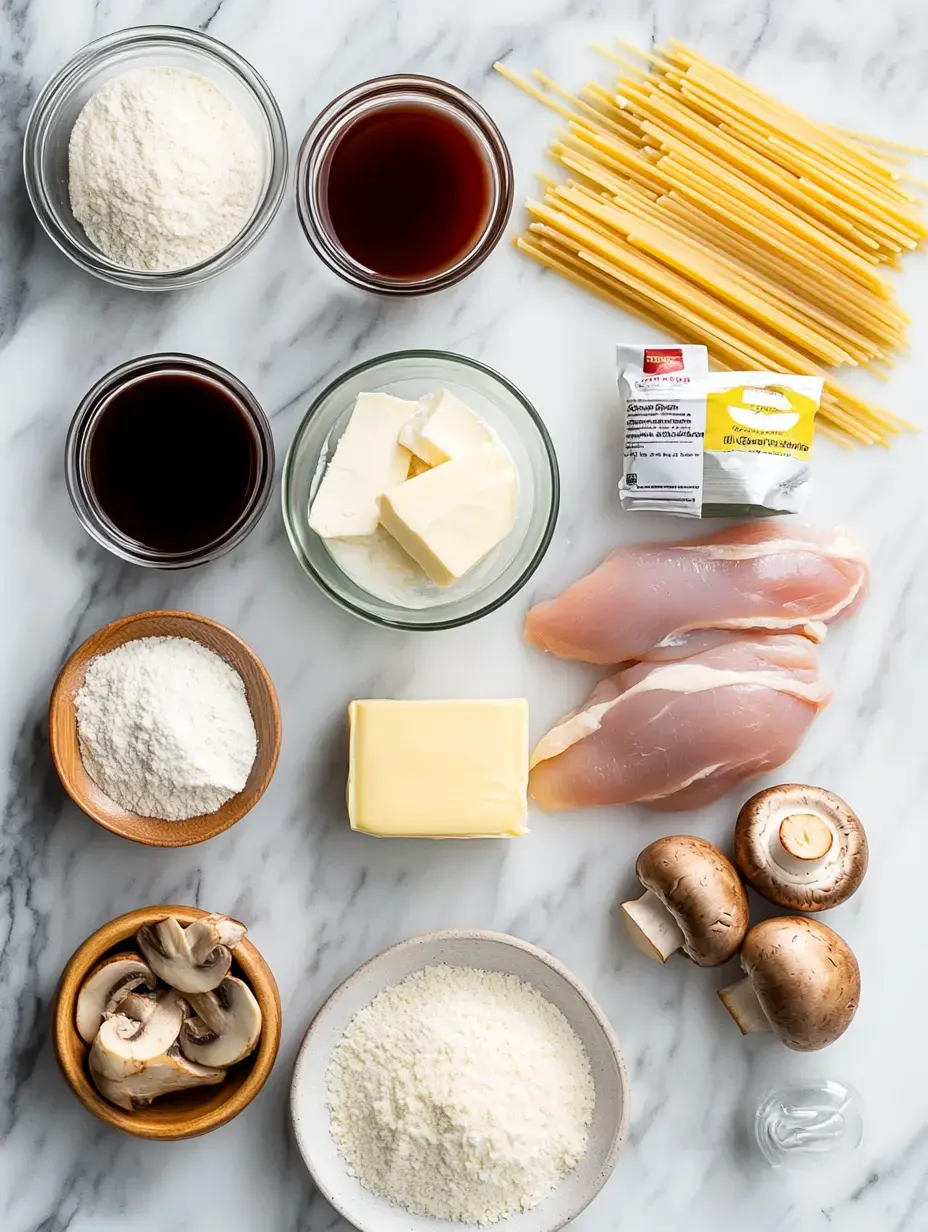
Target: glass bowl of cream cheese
pixel 155 158
pixel 405 572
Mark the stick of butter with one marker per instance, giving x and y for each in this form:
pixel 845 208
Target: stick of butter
pixel 443 428
pixel 450 517
pixel 368 459
pixel 438 769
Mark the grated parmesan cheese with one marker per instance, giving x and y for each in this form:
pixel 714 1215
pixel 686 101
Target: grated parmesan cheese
pixel 461 1094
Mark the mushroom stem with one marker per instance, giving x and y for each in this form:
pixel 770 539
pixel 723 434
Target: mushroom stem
pixel 741 1002
pixel 802 842
pixel 652 927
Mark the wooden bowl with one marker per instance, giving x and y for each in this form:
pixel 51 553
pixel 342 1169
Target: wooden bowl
pixel 184 1114
pixel 65 749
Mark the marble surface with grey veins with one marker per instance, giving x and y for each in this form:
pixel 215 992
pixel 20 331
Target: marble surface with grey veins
pixel 319 899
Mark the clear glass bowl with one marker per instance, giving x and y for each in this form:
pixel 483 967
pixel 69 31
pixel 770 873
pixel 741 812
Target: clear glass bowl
pixel 323 136
pixel 45 146
pixel 410 374
pixel 79 479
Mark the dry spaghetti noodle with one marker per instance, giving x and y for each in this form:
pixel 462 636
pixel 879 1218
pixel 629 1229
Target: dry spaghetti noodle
pixel 706 207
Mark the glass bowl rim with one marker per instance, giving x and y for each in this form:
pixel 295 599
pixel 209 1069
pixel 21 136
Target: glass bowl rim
pixel 551 515
pixel 327 248
pixel 65 80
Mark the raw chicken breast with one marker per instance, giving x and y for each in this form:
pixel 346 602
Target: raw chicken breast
pixel 679 734
pixel 775 576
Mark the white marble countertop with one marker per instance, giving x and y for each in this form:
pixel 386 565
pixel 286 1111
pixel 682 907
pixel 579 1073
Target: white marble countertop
pixel 319 899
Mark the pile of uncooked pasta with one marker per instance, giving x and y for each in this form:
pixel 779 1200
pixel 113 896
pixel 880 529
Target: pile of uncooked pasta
pixel 705 206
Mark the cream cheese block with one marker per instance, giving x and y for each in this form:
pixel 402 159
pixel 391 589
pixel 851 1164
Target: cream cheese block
pixel 367 461
pixel 452 516
pixel 438 769
pixel 443 428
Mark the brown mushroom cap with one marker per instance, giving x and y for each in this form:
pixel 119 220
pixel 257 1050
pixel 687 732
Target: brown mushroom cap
pixel 805 977
pixel 791 881
pixel 701 889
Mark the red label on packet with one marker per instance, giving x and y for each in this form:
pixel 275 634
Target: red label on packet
pixel 663 359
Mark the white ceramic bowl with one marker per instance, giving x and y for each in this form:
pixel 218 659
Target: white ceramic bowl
pixel 491 952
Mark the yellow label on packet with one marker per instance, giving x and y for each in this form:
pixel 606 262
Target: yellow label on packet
pixel 767 416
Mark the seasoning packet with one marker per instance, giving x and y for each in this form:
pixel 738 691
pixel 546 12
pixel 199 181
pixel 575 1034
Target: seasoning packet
pixel 704 444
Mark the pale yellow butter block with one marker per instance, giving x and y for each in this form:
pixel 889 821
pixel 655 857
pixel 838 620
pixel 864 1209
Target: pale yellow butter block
pixel 367 461
pixel 452 516
pixel 438 769
pixel 443 428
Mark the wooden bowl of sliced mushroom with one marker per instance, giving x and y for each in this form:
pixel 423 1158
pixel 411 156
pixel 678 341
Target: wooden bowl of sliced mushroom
pixel 167 1022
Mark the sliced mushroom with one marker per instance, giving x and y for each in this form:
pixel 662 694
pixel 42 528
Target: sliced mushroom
pixel 227 1025
pixel 141 1005
pixel 158 1076
pixel 205 934
pixel 695 902
pixel 124 1044
pixel 800 847
pixel 108 984
pixel 802 982
pixel 195 959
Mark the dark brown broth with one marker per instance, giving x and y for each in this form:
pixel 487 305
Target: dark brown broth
pixel 408 191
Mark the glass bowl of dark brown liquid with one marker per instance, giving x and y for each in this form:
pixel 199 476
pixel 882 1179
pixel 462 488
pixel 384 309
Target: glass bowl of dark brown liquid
pixel 404 185
pixel 169 461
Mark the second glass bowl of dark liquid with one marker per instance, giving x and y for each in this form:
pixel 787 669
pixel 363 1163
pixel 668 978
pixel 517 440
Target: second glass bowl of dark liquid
pixel 169 461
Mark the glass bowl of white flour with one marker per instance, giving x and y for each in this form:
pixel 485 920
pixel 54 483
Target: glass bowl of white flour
pixel 129 232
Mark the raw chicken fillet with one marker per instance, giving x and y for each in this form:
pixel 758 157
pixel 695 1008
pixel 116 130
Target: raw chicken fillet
pixel 774 576
pixel 680 732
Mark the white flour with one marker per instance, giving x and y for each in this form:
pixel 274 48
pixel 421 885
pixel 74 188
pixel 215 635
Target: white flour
pixel 461 1094
pixel 165 729
pixel 163 169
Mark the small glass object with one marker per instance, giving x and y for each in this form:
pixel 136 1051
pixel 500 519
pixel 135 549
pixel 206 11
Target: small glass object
pixel 805 1124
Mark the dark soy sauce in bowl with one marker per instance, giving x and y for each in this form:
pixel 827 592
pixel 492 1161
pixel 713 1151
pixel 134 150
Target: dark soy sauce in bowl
pixel 173 461
pixel 169 461
pixel 408 190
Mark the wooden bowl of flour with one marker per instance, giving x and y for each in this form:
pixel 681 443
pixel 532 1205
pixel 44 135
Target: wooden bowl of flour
pixel 65 746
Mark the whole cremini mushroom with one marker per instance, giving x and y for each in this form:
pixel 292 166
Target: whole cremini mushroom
pixel 800 847
pixel 802 982
pixel 694 902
